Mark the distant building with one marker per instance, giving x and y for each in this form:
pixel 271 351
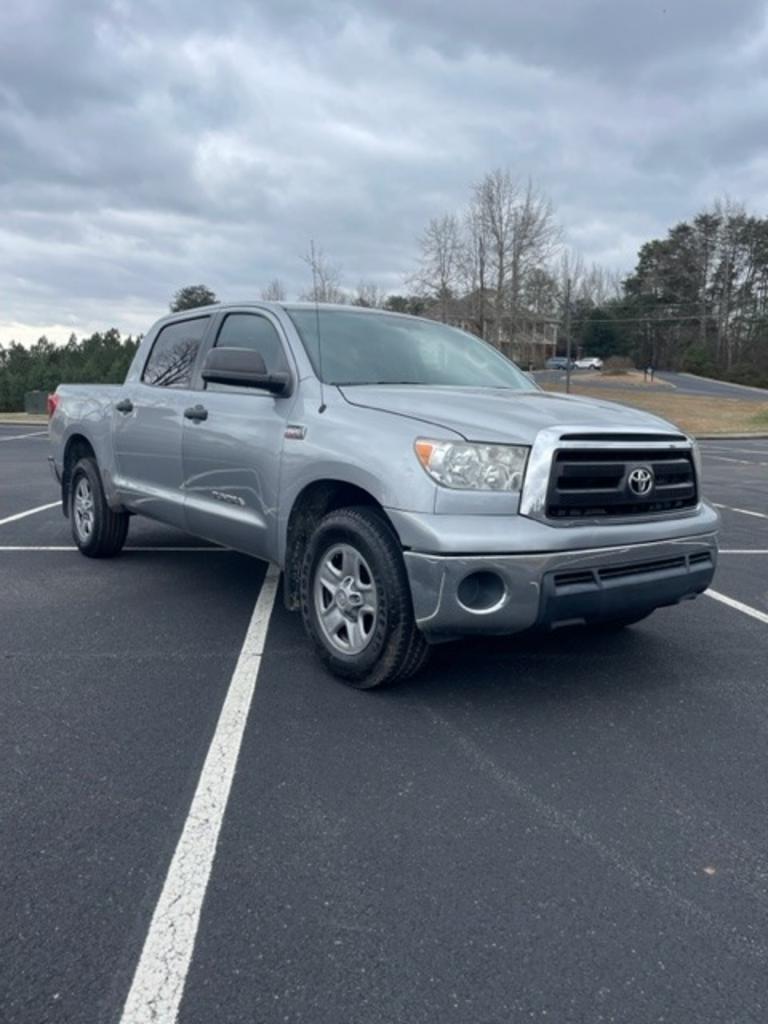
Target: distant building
pixel 526 337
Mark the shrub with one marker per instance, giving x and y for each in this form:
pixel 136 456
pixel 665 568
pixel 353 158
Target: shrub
pixel 615 366
pixel 697 360
pixel 748 373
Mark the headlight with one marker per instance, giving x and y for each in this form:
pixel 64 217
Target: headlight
pixel 474 467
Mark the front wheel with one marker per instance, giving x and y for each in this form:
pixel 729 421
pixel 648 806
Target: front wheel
pixel 98 530
pixel 356 602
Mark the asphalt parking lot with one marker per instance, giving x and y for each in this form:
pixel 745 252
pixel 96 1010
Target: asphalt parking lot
pixel 568 828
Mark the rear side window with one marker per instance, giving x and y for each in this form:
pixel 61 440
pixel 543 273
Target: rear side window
pixel 173 354
pixel 248 330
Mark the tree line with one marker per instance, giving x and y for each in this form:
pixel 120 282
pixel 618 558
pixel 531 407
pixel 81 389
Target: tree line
pixel 103 357
pixel 696 300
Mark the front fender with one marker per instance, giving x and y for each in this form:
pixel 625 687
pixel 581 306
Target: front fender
pixel 364 448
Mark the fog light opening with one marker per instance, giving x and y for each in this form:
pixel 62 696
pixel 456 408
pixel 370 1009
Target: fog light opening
pixel 481 592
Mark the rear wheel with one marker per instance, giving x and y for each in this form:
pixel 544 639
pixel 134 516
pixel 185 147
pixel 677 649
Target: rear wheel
pixel 356 602
pixel 98 530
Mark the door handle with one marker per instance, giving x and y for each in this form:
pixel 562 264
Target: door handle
pixel 196 412
pixel 124 405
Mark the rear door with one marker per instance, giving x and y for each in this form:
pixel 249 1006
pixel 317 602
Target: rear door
pixel 232 458
pixel 148 423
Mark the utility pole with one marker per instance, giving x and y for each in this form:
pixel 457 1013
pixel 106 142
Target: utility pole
pixel 568 335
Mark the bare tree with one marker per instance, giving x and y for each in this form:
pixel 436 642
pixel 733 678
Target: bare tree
pixel 730 216
pixel 438 271
pixel 591 288
pixel 274 292
pixel 541 295
pixel 522 236
pixel 570 267
pixel 535 237
pixel 368 294
pixel 570 280
pixel 496 197
pixel 473 265
pixel 613 285
pixel 326 277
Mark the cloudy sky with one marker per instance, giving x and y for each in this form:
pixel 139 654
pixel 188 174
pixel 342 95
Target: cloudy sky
pixel 148 144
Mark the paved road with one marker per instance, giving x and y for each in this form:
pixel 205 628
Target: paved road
pixel 685 383
pixel 688 384
pixel 568 828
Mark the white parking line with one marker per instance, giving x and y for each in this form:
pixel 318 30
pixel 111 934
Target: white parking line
pixel 158 983
pixel 28 512
pixel 20 437
pixel 742 511
pixel 738 605
pixel 126 550
pixel 748 451
pixel 741 462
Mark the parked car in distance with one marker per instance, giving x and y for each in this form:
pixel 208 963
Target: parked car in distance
pixel 558 363
pixel 589 363
pixel 411 482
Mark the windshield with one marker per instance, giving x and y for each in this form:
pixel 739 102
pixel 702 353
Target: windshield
pixel 372 348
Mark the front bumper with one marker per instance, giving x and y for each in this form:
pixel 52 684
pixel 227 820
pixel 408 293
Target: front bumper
pixel 548 589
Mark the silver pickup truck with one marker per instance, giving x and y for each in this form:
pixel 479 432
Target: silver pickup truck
pixel 411 482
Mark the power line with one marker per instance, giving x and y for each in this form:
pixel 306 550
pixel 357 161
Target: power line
pixel 650 319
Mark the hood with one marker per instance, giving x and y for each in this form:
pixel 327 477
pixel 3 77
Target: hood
pixel 499 415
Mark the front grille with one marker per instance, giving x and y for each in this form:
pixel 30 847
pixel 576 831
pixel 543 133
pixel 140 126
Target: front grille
pixel 703 558
pixel 620 572
pixel 570 580
pixel 595 483
pixel 622 438
pixel 575 578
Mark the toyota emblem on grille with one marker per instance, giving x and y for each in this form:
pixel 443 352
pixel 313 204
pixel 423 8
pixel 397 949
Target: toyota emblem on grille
pixel 640 480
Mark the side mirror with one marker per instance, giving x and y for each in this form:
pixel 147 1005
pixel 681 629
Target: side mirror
pixel 245 368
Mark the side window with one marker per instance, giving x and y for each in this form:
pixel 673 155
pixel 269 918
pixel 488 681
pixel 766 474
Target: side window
pixel 249 330
pixel 173 354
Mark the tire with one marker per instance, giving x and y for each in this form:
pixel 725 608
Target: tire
pixel 356 602
pixel 98 531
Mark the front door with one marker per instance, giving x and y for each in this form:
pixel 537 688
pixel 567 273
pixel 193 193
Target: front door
pixel 231 459
pixel 148 419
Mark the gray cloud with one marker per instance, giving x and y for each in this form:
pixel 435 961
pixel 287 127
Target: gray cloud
pixel 144 146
